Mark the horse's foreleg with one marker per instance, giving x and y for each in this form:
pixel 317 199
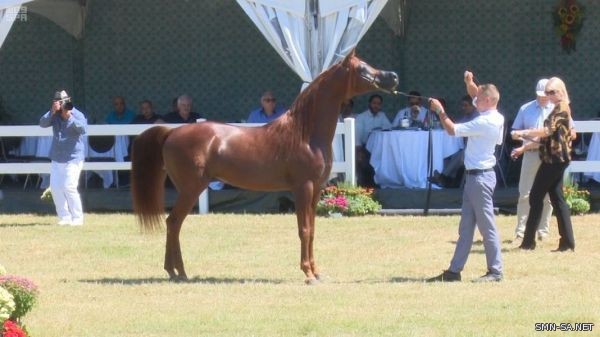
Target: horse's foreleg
pixel 304 212
pixel 182 207
pixel 315 199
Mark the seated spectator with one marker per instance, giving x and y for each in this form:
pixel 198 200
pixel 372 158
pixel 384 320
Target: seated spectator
pixel 367 121
pixel 121 115
pixel 414 100
pixel 454 165
pixel 184 112
pixel 346 110
pixel 147 115
pixel 174 105
pixel 415 122
pixel 268 112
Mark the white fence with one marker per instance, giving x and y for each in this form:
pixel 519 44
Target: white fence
pixel 346 166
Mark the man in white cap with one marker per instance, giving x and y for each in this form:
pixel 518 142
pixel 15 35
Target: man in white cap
pixel 531 116
pixel 67 155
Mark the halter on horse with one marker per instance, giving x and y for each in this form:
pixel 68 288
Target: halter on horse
pixel 292 153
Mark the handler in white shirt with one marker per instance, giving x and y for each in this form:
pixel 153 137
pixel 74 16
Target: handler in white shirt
pixel 484 133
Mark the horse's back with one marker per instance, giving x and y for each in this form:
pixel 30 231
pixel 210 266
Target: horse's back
pixel 247 157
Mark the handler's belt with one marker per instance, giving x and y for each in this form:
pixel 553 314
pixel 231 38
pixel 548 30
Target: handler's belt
pixel 478 171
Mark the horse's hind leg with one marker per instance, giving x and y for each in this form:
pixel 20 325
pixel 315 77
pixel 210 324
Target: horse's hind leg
pixel 183 205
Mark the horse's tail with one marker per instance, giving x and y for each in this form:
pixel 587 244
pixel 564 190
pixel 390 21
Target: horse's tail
pixel 148 177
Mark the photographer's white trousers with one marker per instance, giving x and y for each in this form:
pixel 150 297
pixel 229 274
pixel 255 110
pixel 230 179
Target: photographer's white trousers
pixel 64 179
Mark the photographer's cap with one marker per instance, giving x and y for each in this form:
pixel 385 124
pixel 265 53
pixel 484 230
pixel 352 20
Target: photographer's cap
pixel 540 88
pixel 62 96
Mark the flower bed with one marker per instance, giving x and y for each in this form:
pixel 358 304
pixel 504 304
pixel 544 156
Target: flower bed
pixel 577 198
pixel 347 200
pixel 18 295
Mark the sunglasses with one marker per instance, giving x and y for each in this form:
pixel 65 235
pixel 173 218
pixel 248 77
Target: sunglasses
pixel 550 92
pixel 269 99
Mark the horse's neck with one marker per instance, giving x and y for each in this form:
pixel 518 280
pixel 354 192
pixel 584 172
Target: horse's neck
pixel 320 112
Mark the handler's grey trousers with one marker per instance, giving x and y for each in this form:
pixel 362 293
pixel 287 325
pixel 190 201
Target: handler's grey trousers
pixel 478 210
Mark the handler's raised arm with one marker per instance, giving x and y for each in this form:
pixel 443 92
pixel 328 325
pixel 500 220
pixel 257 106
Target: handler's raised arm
pixel 470 84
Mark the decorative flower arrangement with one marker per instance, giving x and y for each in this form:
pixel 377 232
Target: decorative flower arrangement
pixel 17 296
pixel 568 20
pixel 23 291
pixel 577 199
pixel 12 329
pixel 347 200
pixel 7 304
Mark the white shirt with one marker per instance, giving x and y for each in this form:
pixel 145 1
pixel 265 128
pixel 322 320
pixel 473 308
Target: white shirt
pixel 405 113
pixel 366 122
pixel 484 133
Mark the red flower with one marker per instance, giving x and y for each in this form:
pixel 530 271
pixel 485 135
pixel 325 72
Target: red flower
pixel 11 329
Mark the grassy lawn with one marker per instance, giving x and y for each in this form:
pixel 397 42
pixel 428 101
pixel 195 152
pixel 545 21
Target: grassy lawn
pixel 106 279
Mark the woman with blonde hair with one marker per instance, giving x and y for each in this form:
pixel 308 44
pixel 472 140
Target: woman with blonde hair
pixel 555 152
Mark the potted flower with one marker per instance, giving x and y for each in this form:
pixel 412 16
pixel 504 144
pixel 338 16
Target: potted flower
pixel 578 199
pixel 347 200
pixel 24 293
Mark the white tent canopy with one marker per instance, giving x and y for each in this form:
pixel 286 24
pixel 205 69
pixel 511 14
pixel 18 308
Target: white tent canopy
pixel 68 14
pixel 9 9
pixel 312 35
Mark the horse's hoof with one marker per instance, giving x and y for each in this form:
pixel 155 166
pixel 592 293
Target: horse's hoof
pixel 178 278
pixel 320 277
pixel 312 281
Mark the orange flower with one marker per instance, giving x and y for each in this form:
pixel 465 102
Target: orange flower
pixel 562 11
pixel 569 19
pixel 574 9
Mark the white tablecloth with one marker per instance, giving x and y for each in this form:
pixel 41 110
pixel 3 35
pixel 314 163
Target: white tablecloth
pixel 40 147
pixel 400 157
pixel 594 154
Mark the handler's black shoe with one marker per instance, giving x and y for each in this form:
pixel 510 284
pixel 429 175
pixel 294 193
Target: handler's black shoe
pixel 488 277
pixel 446 276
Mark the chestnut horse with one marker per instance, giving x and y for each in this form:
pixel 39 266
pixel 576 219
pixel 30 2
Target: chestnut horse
pixel 292 153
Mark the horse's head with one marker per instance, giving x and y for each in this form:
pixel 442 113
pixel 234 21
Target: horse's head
pixel 366 78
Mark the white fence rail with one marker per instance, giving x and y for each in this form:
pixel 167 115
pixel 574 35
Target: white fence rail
pixel 346 166
pixel 585 166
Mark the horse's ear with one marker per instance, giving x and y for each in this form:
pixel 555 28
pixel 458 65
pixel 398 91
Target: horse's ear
pixel 348 57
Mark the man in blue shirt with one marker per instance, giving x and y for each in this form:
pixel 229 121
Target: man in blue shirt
pixel 121 115
pixel 268 112
pixel 67 155
pixel 531 116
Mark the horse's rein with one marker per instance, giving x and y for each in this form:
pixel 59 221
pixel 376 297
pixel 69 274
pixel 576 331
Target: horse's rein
pixel 400 93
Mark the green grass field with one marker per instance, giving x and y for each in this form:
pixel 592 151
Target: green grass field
pixel 106 279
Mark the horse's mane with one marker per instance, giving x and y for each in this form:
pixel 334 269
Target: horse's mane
pixel 300 122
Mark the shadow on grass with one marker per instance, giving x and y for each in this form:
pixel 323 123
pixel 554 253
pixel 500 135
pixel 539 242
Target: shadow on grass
pixel 398 279
pixel 200 280
pixel 23 224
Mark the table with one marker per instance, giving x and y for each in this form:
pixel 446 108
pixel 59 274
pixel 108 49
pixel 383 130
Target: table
pixel 400 157
pixel 40 147
pixel 594 154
